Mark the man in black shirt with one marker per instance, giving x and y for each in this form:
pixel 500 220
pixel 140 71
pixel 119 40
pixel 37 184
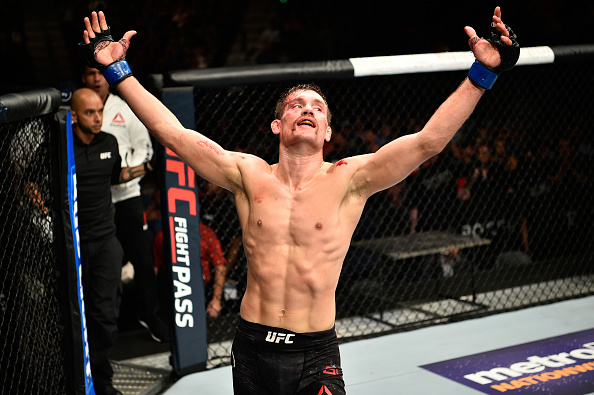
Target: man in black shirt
pixel 98 166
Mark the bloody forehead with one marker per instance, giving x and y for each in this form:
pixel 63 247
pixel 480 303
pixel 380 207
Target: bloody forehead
pixel 288 95
pixel 298 96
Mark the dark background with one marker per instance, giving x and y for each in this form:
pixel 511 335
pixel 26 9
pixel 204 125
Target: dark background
pixel 38 38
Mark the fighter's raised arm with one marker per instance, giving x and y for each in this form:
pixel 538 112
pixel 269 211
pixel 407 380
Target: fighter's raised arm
pixel 206 157
pixel 394 161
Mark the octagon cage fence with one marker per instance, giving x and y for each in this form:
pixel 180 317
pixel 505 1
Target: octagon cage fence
pixel 40 334
pixel 500 220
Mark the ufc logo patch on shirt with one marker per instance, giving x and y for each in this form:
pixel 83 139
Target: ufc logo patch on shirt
pixel 105 155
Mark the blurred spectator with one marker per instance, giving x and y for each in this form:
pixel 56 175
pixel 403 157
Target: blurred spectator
pixel 209 29
pixel 512 182
pixel 478 183
pixel 218 212
pixel 538 166
pixel 385 134
pixel 390 220
pixel 369 138
pixel 269 44
pixel 478 208
pixel 499 152
pixel 570 190
pixel 336 148
pixel 431 194
pixel 571 172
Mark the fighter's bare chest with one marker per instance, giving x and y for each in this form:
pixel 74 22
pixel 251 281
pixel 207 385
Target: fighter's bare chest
pixel 277 208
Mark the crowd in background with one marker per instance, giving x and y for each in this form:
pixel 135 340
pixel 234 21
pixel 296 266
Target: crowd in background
pixel 528 195
pixel 494 183
pixel 179 35
pixel 494 164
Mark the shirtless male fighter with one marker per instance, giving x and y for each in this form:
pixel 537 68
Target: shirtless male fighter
pixel 298 215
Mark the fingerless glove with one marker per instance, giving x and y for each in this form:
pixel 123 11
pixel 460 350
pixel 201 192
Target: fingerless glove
pixel 485 76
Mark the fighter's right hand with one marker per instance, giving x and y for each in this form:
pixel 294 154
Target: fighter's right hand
pixel 98 48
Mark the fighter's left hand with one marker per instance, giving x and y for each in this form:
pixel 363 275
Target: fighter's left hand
pixel 489 51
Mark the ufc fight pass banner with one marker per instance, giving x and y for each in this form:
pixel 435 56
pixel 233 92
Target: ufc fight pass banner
pixel 182 248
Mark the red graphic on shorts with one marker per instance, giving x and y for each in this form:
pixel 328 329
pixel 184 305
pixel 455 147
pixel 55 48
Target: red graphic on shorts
pixel 118 119
pixel 331 370
pixel 324 391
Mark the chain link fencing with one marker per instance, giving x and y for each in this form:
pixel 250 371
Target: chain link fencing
pixel 500 220
pixel 32 351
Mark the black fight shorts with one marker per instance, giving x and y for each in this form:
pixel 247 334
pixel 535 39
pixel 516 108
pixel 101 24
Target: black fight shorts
pixel 268 360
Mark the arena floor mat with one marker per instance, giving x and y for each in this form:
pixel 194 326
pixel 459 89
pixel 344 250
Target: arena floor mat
pixel 546 349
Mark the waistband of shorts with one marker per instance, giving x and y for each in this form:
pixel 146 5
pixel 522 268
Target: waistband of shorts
pixel 282 339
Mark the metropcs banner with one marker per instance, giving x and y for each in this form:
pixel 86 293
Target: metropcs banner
pixel 557 365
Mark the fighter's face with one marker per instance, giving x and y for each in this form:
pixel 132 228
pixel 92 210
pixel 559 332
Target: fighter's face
pixel 305 114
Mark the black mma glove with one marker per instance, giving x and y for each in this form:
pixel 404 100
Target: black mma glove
pixel 114 72
pixel 484 75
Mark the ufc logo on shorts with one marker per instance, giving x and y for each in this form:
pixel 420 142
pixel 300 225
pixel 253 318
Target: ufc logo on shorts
pixel 274 337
